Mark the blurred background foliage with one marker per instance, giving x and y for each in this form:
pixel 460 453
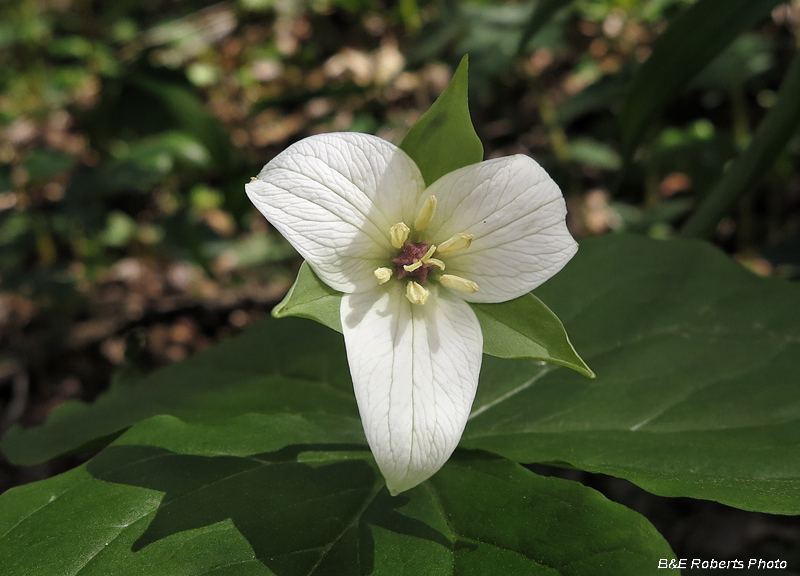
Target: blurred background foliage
pixel 128 130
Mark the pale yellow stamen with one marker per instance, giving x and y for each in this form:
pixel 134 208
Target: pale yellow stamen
pixel 458 283
pixel 436 262
pixel 399 234
pixel 425 214
pixel 416 294
pixel 383 275
pixel 455 243
pixel 413 266
pixel 428 254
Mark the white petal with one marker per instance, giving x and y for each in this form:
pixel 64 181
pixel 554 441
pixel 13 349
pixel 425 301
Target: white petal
pixel 415 371
pixel 335 197
pixel 517 216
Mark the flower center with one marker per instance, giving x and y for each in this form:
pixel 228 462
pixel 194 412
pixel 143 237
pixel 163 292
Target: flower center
pixel 415 260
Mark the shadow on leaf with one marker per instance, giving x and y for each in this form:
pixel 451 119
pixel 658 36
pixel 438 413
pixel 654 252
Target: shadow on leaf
pixel 303 508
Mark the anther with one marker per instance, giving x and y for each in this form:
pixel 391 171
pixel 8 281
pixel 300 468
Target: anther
pixel 416 294
pixel 455 243
pixel 399 234
pixel 383 275
pixel 458 283
pixel 413 266
pixel 425 214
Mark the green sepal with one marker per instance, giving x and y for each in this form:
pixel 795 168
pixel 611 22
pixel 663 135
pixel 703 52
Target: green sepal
pixel 526 328
pixel 443 139
pixel 309 297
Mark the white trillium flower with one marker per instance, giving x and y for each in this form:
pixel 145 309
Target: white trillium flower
pixel 408 260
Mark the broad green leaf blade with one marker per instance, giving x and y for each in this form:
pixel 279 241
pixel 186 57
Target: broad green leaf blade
pixel 279 366
pixel 309 297
pixel 526 328
pixel 278 495
pixel 697 365
pixel 773 133
pixel 78 525
pixel 523 516
pixel 443 139
pixel 521 328
pixel 692 40
pixel 131 510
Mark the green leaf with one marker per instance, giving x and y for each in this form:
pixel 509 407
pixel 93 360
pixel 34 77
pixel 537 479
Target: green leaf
pixel 309 297
pixel 696 391
pixel 692 41
pixel 443 139
pixel 279 367
pixel 496 501
pixel 773 133
pixel 526 328
pixel 521 328
pixel 282 495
